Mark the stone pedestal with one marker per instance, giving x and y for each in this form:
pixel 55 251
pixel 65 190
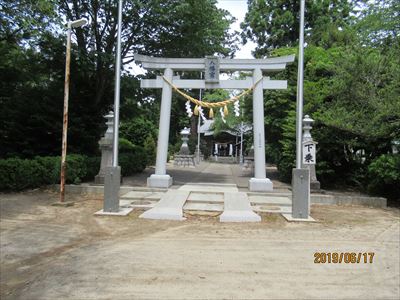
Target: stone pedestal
pixel 248 164
pixel 159 181
pixel 184 160
pixel 260 185
pixel 198 155
pixel 106 145
pixel 106 159
pixel 300 193
pixel 111 189
pixel 314 183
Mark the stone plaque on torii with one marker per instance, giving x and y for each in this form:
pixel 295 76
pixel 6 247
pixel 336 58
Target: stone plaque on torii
pixel 211 66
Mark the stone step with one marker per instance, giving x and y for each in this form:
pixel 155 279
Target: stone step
pixel 237 208
pixel 148 189
pixel 203 206
pixel 223 159
pixel 275 193
pixel 209 188
pixel 138 203
pixel 206 197
pixel 142 195
pixel 211 184
pixel 272 208
pixel 257 199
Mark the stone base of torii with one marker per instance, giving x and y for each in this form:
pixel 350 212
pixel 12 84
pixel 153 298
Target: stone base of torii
pixel 259 182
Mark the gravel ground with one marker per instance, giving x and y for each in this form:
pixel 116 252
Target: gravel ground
pixel 52 252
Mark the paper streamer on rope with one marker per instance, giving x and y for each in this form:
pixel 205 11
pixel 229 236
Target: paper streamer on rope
pixel 201 112
pixel 188 109
pixel 221 111
pixel 236 108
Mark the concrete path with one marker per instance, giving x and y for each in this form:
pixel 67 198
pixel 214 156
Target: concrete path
pixel 170 207
pixel 237 208
pixel 201 197
pixel 209 187
pixel 209 172
pixel 217 173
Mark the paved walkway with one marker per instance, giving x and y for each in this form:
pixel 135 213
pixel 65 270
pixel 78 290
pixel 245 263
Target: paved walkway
pixel 208 172
pixel 209 179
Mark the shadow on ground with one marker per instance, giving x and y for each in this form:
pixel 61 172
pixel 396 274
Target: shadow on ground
pixel 52 252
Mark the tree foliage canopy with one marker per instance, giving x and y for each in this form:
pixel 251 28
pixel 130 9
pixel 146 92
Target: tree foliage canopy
pixel 275 23
pixel 351 86
pixel 32 48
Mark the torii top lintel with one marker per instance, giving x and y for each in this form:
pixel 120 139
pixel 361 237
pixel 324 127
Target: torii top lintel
pixel 273 64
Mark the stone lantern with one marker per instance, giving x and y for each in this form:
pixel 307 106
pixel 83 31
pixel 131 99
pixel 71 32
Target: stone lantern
pixel 185 132
pixel 184 158
pixel 309 152
pixel 106 145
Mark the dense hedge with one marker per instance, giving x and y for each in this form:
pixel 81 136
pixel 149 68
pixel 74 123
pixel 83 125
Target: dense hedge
pixel 132 163
pixel 384 176
pixel 18 174
pixel 132 159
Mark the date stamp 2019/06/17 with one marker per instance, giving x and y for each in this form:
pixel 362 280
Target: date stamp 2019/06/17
pixel 344 257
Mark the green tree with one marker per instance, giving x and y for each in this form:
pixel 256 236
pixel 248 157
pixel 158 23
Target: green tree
pixel 275 23
pixel 32 65
pixel 351 86
pixel 151 150
pixel 379 24
pixel 137 130
pixel 160 28
pixel 23 21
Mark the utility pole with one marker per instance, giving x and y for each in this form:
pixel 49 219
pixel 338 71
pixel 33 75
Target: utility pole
pixel 300 75
pixel 198 126
pixel 112 179
pixel 300 177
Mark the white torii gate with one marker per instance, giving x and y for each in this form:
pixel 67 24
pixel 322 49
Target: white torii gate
pixel 212 66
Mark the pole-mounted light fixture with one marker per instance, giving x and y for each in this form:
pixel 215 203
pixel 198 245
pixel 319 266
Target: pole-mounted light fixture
pixel 78 23
pixel 71 24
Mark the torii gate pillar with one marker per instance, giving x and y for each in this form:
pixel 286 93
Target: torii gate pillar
pixel 260 182
pixel 161 179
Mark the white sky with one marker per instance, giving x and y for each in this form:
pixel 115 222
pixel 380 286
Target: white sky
pixel 238 9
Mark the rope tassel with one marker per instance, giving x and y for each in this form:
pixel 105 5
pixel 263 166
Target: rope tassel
pixel 226 112
pixel 196 110
pixel 211 114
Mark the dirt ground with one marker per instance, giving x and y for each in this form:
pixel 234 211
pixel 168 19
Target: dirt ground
pixel 52 252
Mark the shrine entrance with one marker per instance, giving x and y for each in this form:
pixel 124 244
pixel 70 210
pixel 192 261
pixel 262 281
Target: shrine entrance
pixel 212 66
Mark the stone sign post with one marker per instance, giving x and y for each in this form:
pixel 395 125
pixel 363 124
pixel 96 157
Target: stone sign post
pixel 309 153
